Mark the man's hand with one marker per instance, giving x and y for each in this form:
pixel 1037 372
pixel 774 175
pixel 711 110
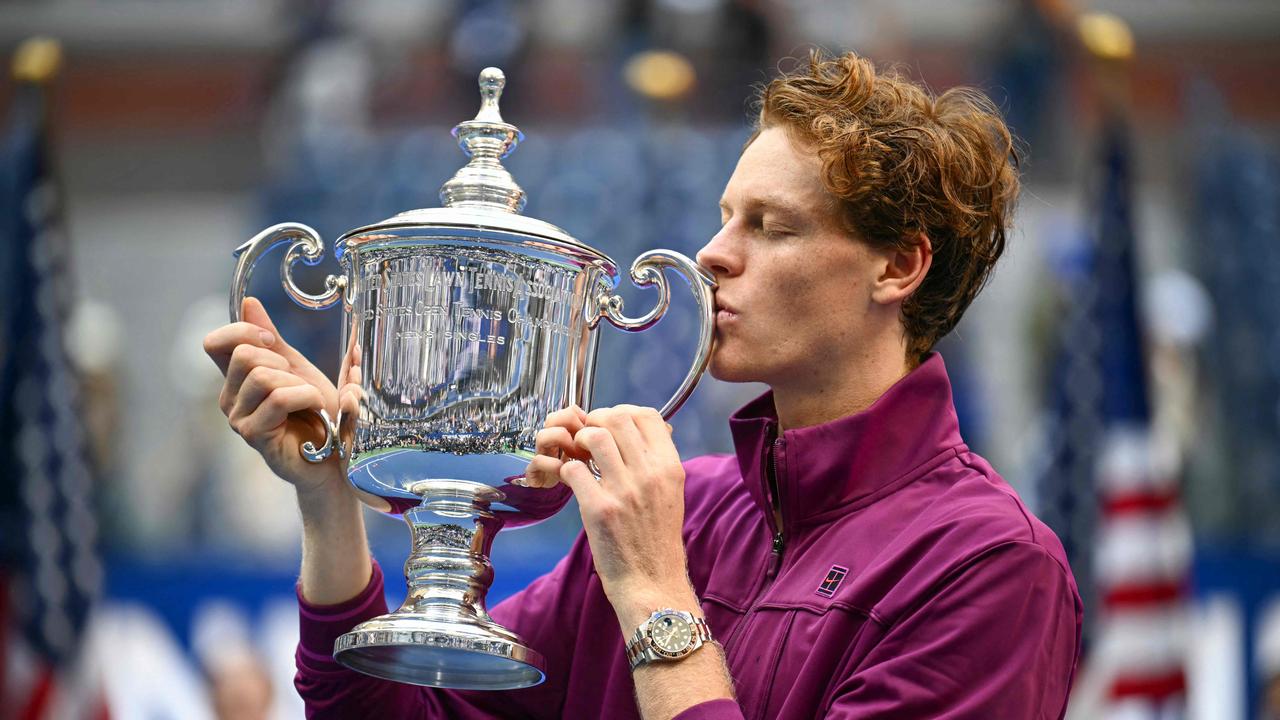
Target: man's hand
pixel 633 514
pixel 268 383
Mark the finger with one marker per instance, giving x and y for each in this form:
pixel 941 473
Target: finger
pixel 252 311
pixel 586 488
pixel 353 376
pixel 552 441
pixel 543 472
pixel 599 443
pixel 260 383
pixel 349 400
pixel 276 407
pixel 620 423
pixel 656 432
pixel 351 370
pixel 243 361
pixel 571 418
pixel 220 343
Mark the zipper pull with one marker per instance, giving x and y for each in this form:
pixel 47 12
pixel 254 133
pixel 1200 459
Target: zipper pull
pixel 777 544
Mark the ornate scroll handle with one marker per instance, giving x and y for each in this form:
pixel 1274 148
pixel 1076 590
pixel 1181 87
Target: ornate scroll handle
pixel 648 270
pixel 308 247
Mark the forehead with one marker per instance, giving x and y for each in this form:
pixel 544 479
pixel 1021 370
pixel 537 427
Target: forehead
pixel 774 170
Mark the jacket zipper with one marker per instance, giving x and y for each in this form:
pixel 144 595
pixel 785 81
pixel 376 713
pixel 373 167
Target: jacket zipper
pixel 775 562
pixel 775 555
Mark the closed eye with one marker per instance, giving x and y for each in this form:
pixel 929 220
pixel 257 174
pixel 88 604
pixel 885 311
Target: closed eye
pixel 771 230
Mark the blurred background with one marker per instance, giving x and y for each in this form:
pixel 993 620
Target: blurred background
pixel 1122 369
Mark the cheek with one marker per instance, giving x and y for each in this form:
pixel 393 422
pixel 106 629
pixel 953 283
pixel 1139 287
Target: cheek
pixel 846 277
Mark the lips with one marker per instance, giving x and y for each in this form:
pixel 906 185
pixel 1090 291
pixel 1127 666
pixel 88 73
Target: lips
pixel 725 311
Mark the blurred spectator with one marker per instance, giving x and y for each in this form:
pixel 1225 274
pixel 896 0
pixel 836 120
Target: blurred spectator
pixel 237 679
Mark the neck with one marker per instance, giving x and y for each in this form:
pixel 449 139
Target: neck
pixel 850 389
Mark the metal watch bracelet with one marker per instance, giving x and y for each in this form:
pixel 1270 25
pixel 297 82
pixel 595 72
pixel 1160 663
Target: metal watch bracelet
pixel 640 649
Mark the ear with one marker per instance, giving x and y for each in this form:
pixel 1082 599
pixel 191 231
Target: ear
pixel 903 271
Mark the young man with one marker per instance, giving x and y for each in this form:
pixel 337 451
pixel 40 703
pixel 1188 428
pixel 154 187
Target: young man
pixel 853 558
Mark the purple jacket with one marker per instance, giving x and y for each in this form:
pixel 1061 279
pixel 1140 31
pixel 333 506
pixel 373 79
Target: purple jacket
pixel 910 582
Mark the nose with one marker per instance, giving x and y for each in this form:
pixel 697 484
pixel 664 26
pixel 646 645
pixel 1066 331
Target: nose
pixel 718 255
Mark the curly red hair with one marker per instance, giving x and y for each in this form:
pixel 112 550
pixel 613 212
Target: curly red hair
pixel 902 162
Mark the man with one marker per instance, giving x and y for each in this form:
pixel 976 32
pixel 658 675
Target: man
pixel 854 558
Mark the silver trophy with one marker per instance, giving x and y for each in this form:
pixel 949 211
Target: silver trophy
pixel 464 327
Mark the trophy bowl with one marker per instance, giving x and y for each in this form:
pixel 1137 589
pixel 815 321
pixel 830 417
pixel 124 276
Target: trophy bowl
pixel 464 327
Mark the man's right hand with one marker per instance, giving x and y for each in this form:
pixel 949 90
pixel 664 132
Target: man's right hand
pixel 268 386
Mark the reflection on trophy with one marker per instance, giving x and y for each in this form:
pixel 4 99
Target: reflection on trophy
pixel 464 327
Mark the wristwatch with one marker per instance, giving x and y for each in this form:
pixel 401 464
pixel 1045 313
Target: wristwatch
pixel 666 636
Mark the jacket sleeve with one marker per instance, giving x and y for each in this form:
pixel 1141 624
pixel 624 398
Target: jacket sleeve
pixel 539 614
pixel 712 710
pixel 328 689
pixel 999 639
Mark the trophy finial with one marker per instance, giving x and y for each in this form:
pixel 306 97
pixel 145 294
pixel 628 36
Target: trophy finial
pixel 492 80
pixel 486 139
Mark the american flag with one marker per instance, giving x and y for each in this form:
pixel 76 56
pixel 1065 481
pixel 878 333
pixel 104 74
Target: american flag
pixel 1143 541
pixel 50 569
pixel 1116 482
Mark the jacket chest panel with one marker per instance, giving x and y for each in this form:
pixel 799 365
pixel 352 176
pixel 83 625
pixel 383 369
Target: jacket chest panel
pixel 784 661
pixel 787 635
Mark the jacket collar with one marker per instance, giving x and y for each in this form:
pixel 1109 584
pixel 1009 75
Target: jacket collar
pixel 832 468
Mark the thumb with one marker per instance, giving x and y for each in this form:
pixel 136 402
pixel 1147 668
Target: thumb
pixel 585 486
pixel 252 311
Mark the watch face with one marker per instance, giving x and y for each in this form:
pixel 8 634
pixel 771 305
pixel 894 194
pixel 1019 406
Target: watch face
pixel 671 635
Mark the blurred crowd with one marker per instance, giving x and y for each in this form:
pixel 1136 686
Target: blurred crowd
pixel 1121 370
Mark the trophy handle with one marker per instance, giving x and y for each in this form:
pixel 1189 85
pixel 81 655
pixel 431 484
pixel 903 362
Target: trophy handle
pixel 307 246
pixel 648 270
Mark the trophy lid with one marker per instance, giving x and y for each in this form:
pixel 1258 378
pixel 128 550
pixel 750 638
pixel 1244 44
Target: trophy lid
pixel 482 194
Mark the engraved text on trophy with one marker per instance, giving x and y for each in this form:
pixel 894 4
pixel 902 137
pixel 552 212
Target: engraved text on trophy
pixel 456 347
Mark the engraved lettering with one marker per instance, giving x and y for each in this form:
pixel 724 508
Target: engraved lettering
pixel 465 304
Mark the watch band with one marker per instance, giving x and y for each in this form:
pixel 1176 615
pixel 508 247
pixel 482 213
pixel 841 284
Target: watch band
pixel 640 649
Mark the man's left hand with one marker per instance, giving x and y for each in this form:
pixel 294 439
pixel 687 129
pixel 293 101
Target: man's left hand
pixel 633 514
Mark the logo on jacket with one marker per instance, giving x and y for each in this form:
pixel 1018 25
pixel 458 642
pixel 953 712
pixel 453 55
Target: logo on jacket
pixel 835 576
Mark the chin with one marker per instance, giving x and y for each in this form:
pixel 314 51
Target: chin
pixel 726 370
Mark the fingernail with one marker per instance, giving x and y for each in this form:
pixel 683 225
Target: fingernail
pixel 521 481
pixel 267 338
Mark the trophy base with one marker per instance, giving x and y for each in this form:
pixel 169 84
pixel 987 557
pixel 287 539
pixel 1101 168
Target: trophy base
pixel 445 654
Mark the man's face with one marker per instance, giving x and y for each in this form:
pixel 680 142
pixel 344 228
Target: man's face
pixel 794 286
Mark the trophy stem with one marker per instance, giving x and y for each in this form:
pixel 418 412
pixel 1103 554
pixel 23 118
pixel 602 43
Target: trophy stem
pixel 442 635
pixel 448 571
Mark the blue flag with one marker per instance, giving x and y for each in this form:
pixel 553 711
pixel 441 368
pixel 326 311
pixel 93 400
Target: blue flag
pixel 47 547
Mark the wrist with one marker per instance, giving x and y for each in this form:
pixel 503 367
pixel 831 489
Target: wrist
pixel 335 552
pixel 634 605
pixel 667 635
pixel 328 496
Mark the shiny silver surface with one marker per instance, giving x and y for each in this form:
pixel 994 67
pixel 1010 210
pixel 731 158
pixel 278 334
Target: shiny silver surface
pixel 648 270
pixel 483 182
pixel 305 245
pixel 464 327
pixel 442 636
pixel 458 352
pixel 643 646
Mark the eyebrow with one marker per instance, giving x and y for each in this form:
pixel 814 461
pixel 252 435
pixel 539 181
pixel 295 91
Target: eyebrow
pixel 773 203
